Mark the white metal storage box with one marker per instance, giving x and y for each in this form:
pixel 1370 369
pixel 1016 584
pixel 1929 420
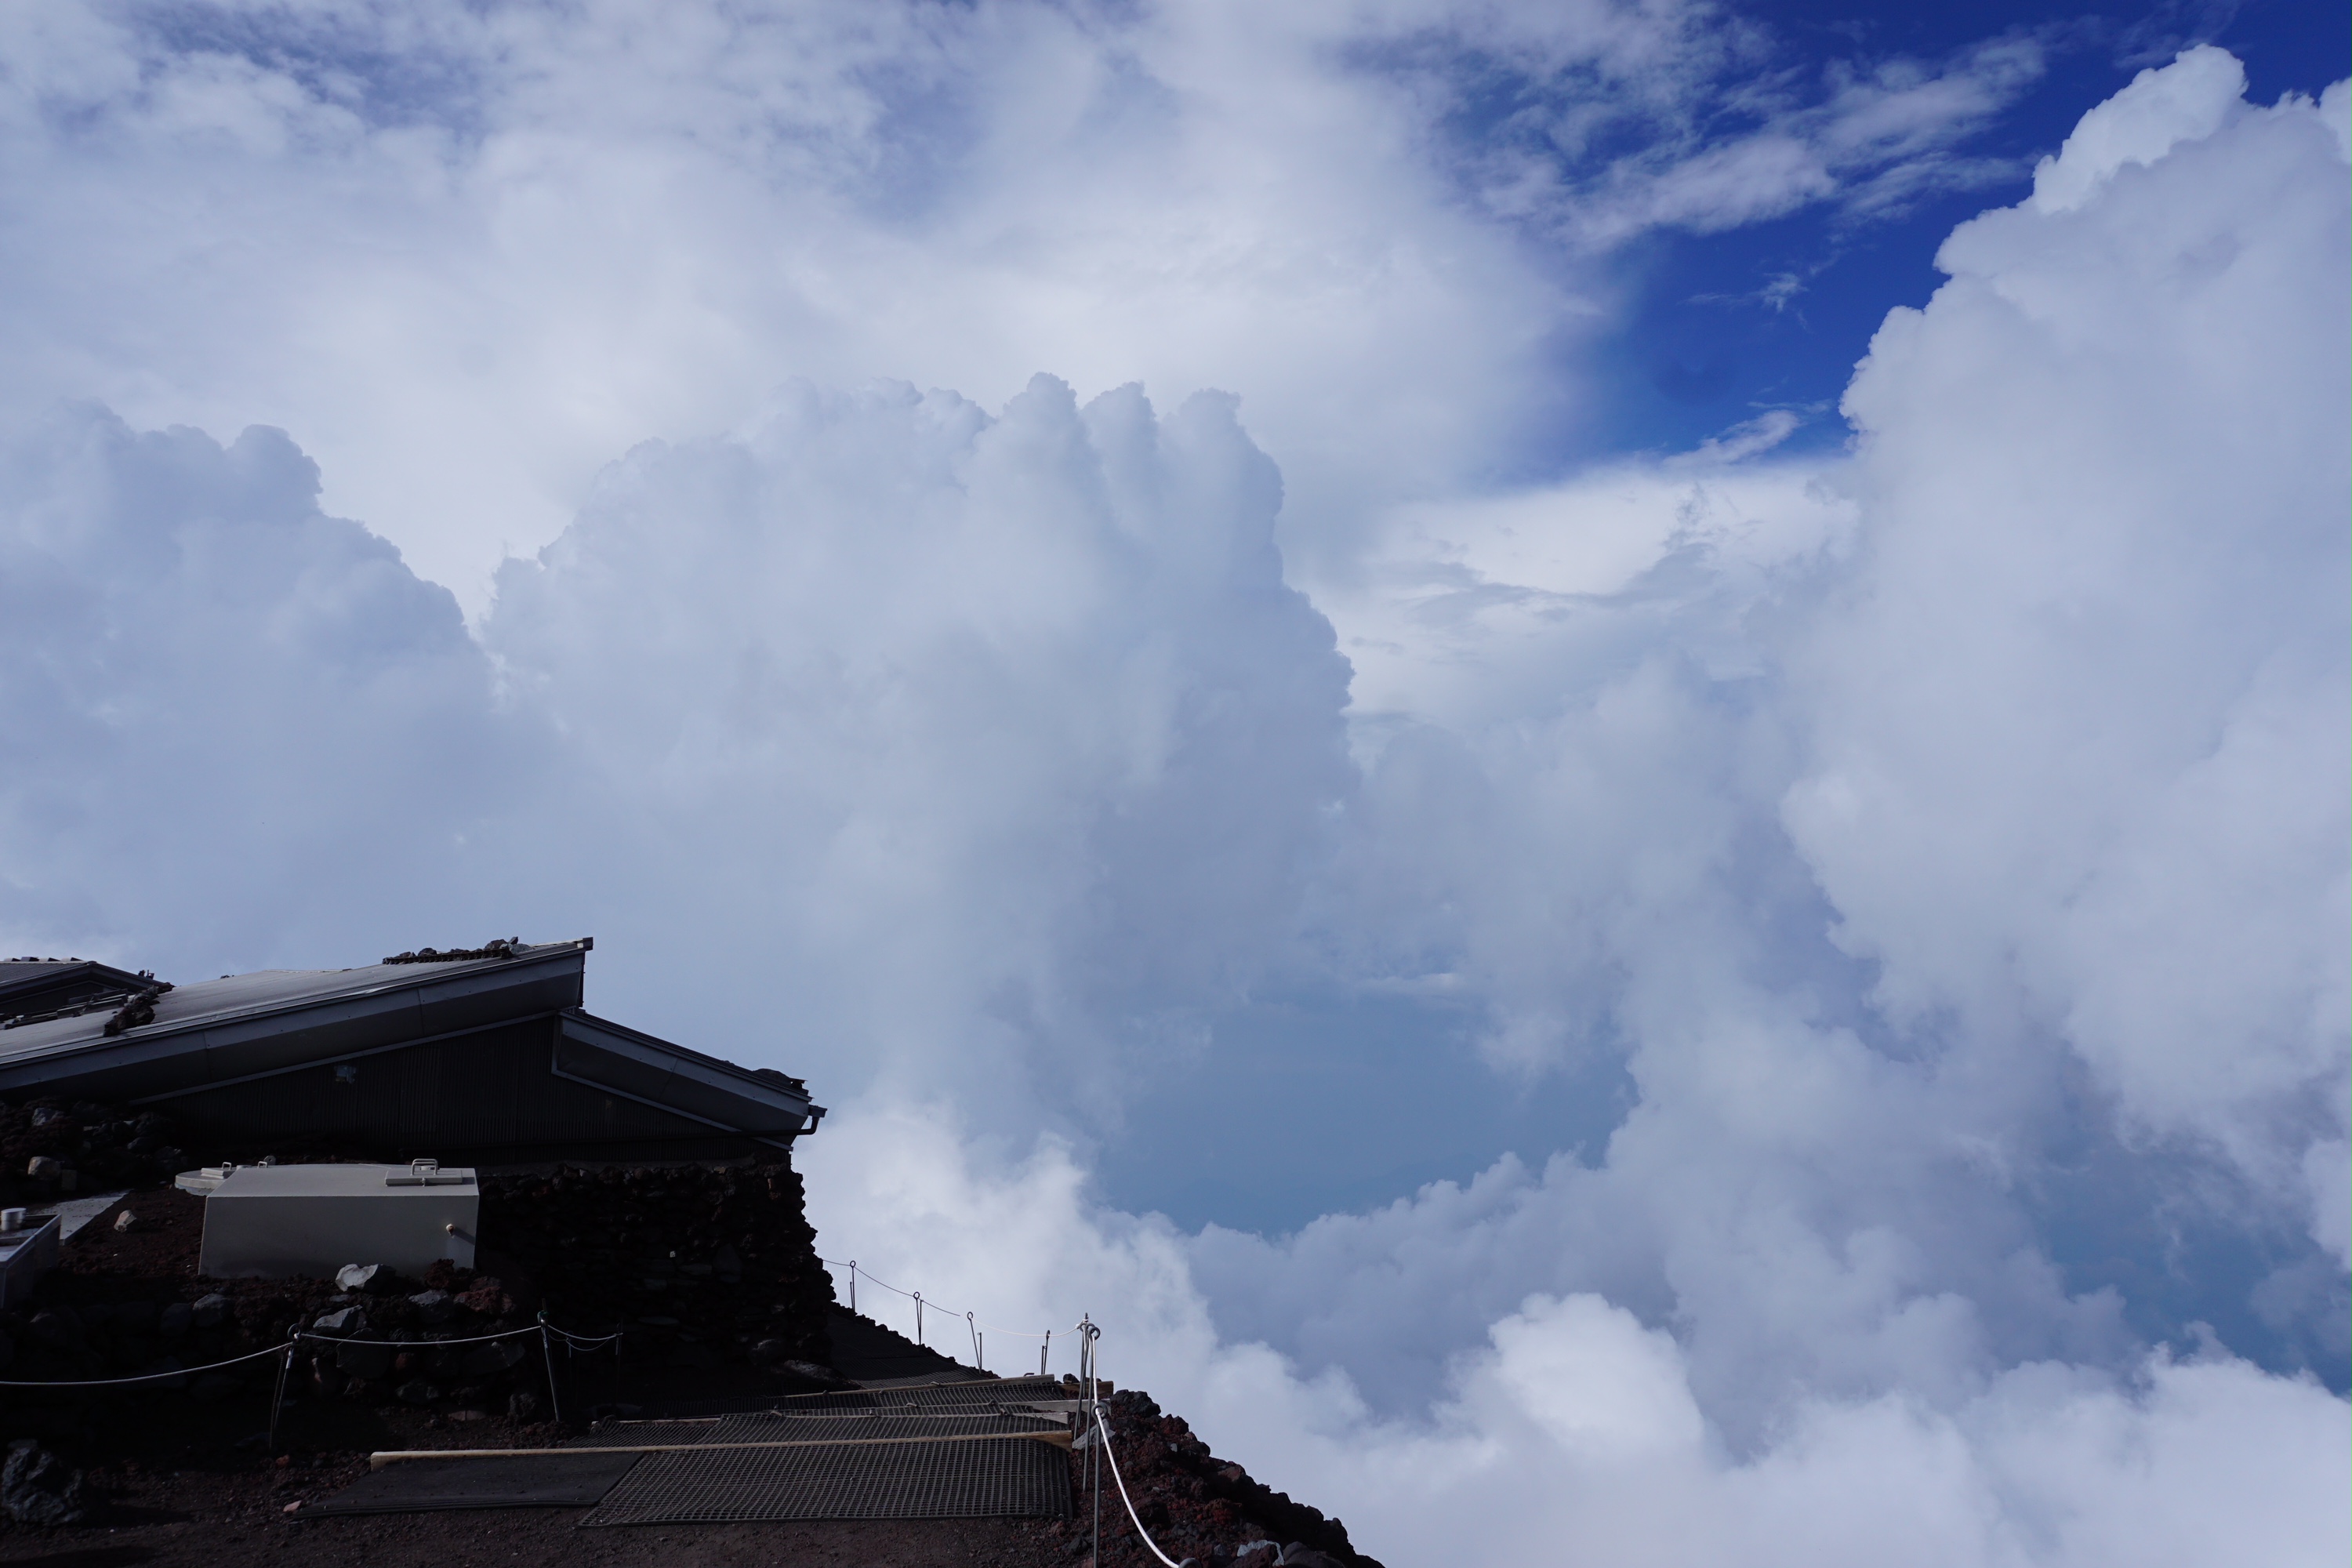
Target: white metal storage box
pixel 28 1250
pixel 270 1222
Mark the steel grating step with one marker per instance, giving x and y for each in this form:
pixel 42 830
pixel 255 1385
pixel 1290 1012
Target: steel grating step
pixel 650 1434
pixel 852 1425
pixel 931 1395
pixel 1012 1477
pixel 823 1426
pixel 926 1451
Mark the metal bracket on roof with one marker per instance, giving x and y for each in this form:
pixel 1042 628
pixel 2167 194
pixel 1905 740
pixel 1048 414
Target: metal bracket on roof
pixel 423 1172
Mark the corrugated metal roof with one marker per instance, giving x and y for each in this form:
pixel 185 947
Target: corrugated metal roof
pixel 208 1039
pixel 210 1006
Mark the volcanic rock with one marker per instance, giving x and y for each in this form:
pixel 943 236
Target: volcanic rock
pixel 347 1321
pixel 36 1487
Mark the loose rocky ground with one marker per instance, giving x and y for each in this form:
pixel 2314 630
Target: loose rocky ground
pixel 209 1516
pixel 710 1269
pixel 201 1520
pixel 167 1482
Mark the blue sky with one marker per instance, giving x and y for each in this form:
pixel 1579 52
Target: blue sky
pixel 1702 343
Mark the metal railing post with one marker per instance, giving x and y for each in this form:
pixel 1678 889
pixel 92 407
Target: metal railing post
pixel 554 1400
pixel 1087 1334
pixel 277 1394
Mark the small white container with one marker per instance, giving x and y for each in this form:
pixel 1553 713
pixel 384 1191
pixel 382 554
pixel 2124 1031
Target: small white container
pixel 26 1253
pixel 272 1221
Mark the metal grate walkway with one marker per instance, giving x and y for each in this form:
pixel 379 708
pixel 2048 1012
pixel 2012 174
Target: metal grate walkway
pixel 997 1447
pixel 617 1434
pixel 971 1478
pixel 900 1425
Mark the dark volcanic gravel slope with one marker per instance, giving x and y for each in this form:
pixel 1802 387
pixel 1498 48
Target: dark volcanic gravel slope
pixel 1193 1503
pixel 711 1270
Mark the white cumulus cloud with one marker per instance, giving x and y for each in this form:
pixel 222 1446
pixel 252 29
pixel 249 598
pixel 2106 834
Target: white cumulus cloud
pixel 1942 842
pixel 521 239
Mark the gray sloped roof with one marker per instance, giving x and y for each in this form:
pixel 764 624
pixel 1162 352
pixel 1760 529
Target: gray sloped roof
pixel 215 1034
pixel 204 1032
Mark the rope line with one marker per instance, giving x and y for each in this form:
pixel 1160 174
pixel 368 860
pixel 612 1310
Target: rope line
pixel 150 1376
pixel 858 1273
pixel 1103 1429
pixel 412 1344
pixel 573 1341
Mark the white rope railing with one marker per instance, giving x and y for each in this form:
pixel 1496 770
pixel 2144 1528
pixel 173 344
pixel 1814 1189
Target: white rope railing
pixel 576 1341
pixel 581 1342
pixel 1097 1443
pixel 412 1344
pixel 1103 1427
pixel 978 1329
pixel 546 1334
pixel 185 1371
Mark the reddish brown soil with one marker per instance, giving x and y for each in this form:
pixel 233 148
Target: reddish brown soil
pixel 169 1231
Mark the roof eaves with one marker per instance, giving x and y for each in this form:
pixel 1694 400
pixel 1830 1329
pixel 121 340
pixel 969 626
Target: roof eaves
pixel 42 974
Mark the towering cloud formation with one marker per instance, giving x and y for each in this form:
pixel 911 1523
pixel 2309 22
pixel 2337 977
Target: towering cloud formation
pixel 226 717
pixel 993 744
pixel 973 737
pixel 1967 876
pixel 1945 842
pixel 1952 840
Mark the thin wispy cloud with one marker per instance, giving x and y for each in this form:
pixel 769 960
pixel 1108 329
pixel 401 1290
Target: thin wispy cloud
pixel 575 231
